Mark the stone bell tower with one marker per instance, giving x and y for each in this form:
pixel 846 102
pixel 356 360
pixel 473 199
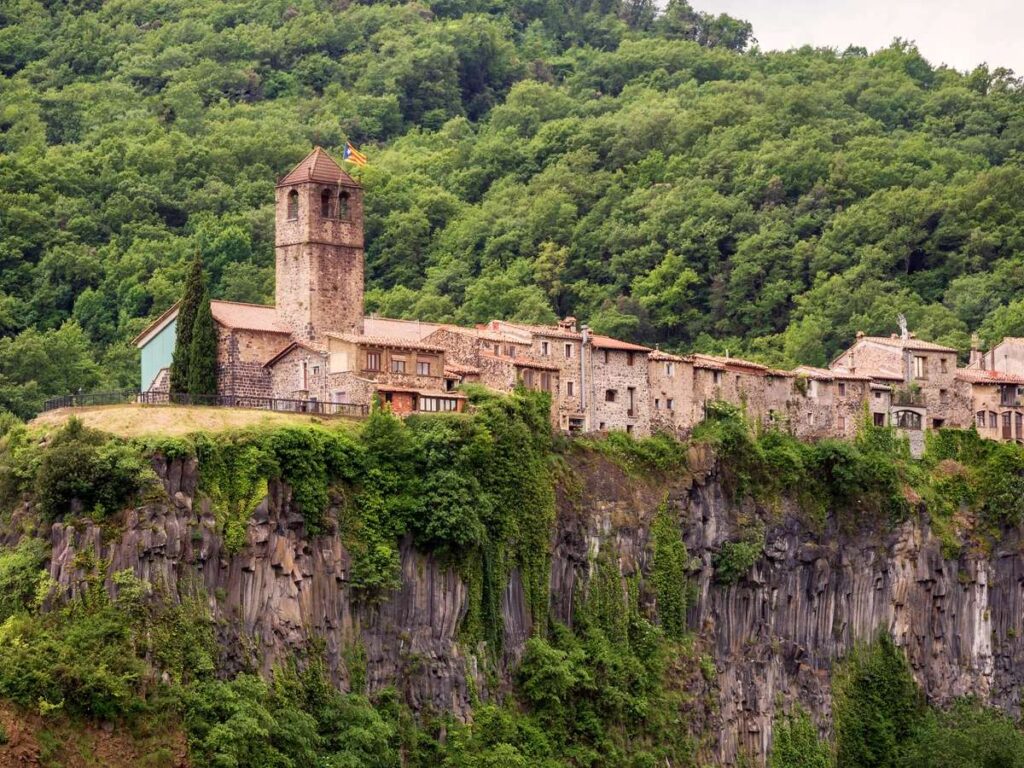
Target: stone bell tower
pixel 319 248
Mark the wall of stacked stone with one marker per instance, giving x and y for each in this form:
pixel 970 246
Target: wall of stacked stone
pixel 850 407
pixel 618 376
pixel 319 263
pixel 569 372
pixel 677 387
pixel 287 379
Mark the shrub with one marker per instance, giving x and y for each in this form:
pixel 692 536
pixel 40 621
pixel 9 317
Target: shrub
pixel 21 572
pixel 795 744
pixel 735 558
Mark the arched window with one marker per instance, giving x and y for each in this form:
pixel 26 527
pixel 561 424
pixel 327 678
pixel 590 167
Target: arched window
pixel 293 204
pixel 325 204
pixel 343 211
pixel 908 420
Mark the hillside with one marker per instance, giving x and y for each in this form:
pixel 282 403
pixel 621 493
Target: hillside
pixel 654 175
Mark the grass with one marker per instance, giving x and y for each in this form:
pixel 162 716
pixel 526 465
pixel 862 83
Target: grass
pixel 173 420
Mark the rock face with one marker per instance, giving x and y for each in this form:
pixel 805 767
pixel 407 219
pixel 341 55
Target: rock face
pixel 774 635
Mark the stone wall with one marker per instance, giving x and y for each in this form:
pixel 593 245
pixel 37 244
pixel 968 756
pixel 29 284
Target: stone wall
pixel 319 262
pixel 671 395
pixel 288 380
pixel 241 356
pixel 613 374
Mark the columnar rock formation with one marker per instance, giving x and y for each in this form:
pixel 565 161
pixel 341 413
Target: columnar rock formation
pixel 774 636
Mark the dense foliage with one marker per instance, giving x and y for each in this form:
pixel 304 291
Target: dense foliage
pixel 527 159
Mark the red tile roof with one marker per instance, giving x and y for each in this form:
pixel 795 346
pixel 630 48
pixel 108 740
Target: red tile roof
pixel 319 167
pixel 522 362
pixel 827 374
pixel 712 361
pixel 607 342
pixel 979 376
pixel 385 341
pixel 247 317
pixel 539 330
pixel 423 392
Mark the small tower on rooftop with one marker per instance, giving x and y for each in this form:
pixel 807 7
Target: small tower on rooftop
pixel 319 248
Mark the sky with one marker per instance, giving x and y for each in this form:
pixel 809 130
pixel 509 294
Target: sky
pixel 960 34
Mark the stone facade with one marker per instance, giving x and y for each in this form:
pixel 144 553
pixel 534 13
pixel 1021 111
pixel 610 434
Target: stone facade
pixel 619 388
pixel 671 385
pixel 996 403
pixel 241 358
pixel 319 249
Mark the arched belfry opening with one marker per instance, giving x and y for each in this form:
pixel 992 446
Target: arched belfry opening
pixel 293 205
pixel 343 207
pixel 326 209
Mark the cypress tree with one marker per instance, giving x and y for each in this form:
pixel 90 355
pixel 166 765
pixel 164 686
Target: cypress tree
pixel 190 301
pixel 202 359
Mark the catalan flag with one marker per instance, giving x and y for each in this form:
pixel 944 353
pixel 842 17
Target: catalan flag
pixel 353 155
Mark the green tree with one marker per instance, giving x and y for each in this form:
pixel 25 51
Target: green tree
pixel 188 310
pixel 202 357
pixel 796 744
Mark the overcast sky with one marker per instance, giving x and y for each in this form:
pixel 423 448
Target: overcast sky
pixel 960 34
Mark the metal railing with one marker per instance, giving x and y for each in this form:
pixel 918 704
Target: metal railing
pixel 277 404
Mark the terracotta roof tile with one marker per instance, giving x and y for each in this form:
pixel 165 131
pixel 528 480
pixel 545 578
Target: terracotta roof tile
pixel 607 342
pixel 385 341
pixel 247 317
pixel 911 343
pixel 979 376
pixel 541 330
pixel 827 374
pixel 319 167
pixel 726 362
pixel 424 392
pixel 460 369
pixel 658 355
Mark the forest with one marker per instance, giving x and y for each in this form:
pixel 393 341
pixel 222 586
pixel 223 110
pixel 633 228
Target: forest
pixel 651 172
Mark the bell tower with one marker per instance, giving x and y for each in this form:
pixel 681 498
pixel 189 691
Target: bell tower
pixel 319 248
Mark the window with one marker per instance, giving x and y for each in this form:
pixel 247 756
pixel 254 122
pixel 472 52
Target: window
pixel 510 350
pixel 343 209
pixel 942 364
pixel 545 381
pixel 601 426
pixel 670 404
pixel 938 423
pixel 438 404
pixel 716 377
pixel 398 365
pixel 316 370
pixel 325 204
pixel 920 367
pixel 632 400
pixel 908 420
pixel 670 369
pixel 568 351
pixel 293 205
pixel 943 396
pixel 841 423
pixel 629 358
pixel 423 368
pixel 842 389
pixel 610 395
pixel 810 418
pixel 545 349
pixel 878 395
pixel 305 377
pixel 629 429
pixel 992 420
pixel 657 404
pixel 981 418
pixel 373 361
pixel 879 419
pixel 605 356
pixel 528 378
pixel 568 389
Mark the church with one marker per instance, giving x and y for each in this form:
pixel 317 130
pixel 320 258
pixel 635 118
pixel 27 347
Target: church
pixel 314 349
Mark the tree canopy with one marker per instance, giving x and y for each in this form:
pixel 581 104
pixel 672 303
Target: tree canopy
pixel 653 172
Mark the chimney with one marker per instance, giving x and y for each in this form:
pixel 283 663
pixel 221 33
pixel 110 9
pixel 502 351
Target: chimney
pixel 860 334
pixel 568 324
pixel 976 359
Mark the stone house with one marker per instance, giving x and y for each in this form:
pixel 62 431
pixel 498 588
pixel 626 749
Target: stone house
pixel 617 375
pixel 926 392
pixel 996 402
pixel 670 378
pixel 848 398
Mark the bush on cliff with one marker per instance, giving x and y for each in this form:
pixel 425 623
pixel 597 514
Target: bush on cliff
pixel 21 573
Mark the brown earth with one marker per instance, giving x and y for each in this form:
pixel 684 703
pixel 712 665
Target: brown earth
pixel 59 742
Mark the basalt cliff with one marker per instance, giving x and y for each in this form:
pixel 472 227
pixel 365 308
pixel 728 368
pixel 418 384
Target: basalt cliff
pixel 773 635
